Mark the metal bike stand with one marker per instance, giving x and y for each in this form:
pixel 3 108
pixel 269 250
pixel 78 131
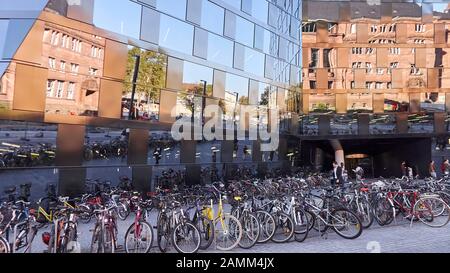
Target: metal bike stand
pixel 13 248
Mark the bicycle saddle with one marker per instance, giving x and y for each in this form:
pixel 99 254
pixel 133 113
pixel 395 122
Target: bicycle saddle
pixel 10 190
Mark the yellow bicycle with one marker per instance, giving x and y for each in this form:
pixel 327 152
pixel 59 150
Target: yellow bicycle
pixel 227 228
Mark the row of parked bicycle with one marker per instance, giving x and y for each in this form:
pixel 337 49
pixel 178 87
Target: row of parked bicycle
pixel 242 214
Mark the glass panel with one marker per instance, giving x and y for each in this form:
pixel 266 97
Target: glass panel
pixel 267 95
pixel 322 103
pixel 123 17
pixel 359 102
pixel 195 77
pixel 212 17
pixel 105 146
pixel 236 92
pixel 23 5
pixel 175 8
pixel 163 149
pixel 208 152
pixel 344 125
pixel 151 78
pixel 176 35
pixel 432 102
pixel 309 125
pixel 260 10
pixel 396 102
pixel 27 144
pixel 254 62
pixel 220 50
pixel 188 106
pixel 234 3
pixel 382 124
pixel 3 31
pixel 245 31
pixel 421 123
pixel 75 89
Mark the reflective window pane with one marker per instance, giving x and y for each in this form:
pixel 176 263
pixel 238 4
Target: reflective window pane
pixel 245 31
pixel 212 17
pixel 254 62
pixel 151 78
pixel 236 87
pixel 220 50
pixel 260 10
pixel 194 78
pixel 432 102
pixel 122 17
pixel 322 103
pixel 396 102
pixel 235 3
pixel 105 146
pixel 175 8
pixel 176 35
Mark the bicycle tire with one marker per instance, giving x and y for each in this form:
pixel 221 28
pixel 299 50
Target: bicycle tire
pixel 4 246
pixel 233 227
pixel 96 241
pixel 284 223
pixel 427 221
pixel 267 226
pixel 250 230
pixel 355 219
pixel 131 232
pixel 206 228
pixel 181 229
pixel 301 225
pixel 162 233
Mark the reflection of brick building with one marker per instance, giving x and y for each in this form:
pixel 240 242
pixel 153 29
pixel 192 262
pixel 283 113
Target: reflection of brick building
pixel 392 62
pixel 75 64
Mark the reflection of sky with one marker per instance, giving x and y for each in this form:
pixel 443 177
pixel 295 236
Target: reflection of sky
pixel 22 5
pixel 175 8
pixel 194 73
pixel 237 84
pixel 123 17
pixel 212 17
pixel 176 35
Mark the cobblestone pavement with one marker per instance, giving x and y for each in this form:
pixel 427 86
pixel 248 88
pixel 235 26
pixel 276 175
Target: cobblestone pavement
pixel 397 238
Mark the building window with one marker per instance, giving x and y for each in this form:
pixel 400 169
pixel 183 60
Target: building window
pixel 379 85
pixel 60 89
pixel 62 66
pixel 353 28
pixel 415 70
pixel 76 45
pixel 383 28
pixel 370 50
pixel 326 58
pixel 330 84
pixel 420 28
pixel 312 84
pixel 358 50
pixel 74 68
pixel 389 85
pixel 65 41
pixel 357 65
pixel 368 67
pixel 71 91
pixel 394 65
pixel 394 51
pixel 55 38
pixel 93 71
pixel 380 71
pixel 393 28
pixel 50 88
pixel 52 63
pixel 314 58
pixel 352 85
pixel 374 28
pixel 94 51
pixel 309 27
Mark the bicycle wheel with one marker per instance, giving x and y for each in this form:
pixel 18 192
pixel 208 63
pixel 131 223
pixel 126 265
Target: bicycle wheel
pixel 227 232
pixel 186 238
pixel 346 224
pixel 432 211
pixel 139 238
pixel 363 210
pixel 384 211
pixel 96 242
pixel 4 246
pixel 301 224
pixel 266 225
pixel 163 234
pixel 69 243
pixel 85 215
pixel 206 228
pixel 122 211
pixel 109 240
pixel 250 230
pixel 284 230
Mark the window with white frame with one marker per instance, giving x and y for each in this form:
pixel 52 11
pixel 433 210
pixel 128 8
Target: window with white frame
pixel 420 28
pixel 60 89
pixel 374 28
pixel 394 51
pixel 358 50
pixel 93 71
pixel 50 88
pixel 52 63
pixel 379 85
pixel 368 67
pixel 74 67
pixel 71 91
pixel 394 65
pixel 62 66
pixel 55 38
pixel 353 28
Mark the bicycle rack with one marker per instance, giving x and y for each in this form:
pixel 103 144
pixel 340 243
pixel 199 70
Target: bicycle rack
pixel 13 247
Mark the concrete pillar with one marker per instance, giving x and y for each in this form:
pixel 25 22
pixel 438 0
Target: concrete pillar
pixel 339 155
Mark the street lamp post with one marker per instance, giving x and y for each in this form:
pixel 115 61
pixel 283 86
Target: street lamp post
pixel 205 83
pixel 134 83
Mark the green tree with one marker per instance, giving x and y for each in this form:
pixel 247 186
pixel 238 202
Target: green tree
pixel 151 76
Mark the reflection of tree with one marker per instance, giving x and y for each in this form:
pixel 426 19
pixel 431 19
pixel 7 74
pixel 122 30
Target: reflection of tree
pixel 152 73
pixel 243 100
pixel 198 89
